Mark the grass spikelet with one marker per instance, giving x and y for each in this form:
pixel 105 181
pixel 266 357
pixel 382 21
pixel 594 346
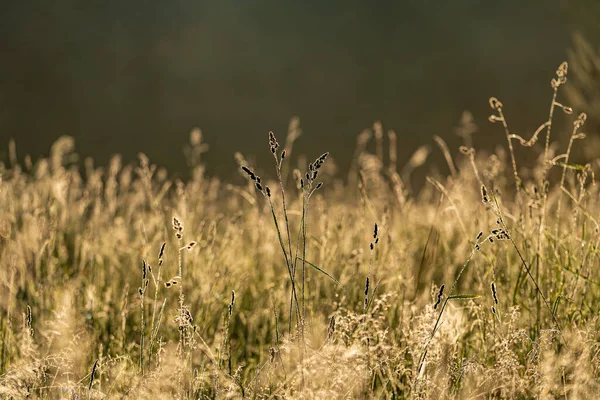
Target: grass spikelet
pixel 93 375
pixel 439 297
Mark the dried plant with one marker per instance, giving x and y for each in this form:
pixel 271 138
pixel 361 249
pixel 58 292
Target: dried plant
pixel 481 284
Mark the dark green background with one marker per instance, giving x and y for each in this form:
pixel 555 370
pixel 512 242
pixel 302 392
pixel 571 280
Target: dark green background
pixel 129 76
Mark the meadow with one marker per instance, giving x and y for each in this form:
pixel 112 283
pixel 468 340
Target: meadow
pixel 296 281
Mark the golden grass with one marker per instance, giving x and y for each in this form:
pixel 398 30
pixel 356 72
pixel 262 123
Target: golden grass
pixel 120 283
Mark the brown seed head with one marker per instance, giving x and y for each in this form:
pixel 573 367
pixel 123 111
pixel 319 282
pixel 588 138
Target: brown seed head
pixel 439 296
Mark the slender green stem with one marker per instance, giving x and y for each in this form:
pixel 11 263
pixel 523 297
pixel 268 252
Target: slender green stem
pixel 143 328
pixel 511 150
pixel 288 261
pixel 285 255
pixel 523 261
pixel 181 298
pixel 562 179
pixel 304 217
pixel 439 317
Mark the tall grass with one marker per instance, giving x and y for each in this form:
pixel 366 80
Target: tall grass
pixel 386 290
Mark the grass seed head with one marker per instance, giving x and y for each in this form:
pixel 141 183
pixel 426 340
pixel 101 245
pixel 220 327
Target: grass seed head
pixel 494 294
pixel 273 142
pixel 484 195
pixel 439 297
pixel 161 253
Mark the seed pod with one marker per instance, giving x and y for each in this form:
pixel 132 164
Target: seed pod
pixel 494 294
pixel 161 253
pixel 484 196
pixel 439 296
pixel 331 328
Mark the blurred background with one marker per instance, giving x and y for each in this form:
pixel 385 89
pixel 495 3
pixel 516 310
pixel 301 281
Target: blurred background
pixel 125 77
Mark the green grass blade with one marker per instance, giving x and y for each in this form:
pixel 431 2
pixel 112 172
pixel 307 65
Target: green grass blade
pixel 463 296
pixel 319 269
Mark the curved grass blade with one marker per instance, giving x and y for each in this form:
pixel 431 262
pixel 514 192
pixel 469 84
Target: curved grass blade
pixel 319 269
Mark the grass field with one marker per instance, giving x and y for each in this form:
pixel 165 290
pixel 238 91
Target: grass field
pixel 298 283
